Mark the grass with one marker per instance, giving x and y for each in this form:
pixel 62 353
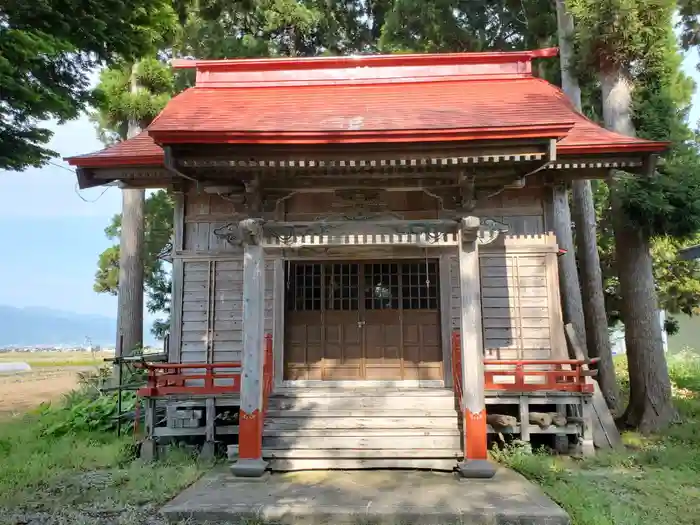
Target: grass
pixel 83 478
pixel 654 480
pixel 56 359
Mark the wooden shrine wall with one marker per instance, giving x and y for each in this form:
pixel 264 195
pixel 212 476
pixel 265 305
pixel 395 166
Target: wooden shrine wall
pixel 521 312
pixel 208 272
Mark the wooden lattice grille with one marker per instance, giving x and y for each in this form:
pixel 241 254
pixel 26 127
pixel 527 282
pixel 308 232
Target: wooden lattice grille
pixel 363 320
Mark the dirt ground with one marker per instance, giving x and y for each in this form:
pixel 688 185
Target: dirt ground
pixel 23 391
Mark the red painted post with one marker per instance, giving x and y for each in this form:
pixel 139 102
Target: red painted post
pixel 250 426
pixel 476 463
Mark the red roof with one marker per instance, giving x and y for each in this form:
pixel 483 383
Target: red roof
pixel 391 98
pixel 137 151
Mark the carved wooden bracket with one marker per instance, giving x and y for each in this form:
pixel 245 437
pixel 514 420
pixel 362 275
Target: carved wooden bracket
pixel 490 230
pixel 470 228
pixel 465 200
pixel 247 231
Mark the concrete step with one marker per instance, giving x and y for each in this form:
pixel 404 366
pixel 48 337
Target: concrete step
pixel 380 497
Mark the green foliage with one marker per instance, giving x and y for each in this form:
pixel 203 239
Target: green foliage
pixel 89 409
pixel 468 25
pixel 630 486
pixel 638 36
pixel 81 478
pixel 677 280
pixel 47 50
pixel 117 103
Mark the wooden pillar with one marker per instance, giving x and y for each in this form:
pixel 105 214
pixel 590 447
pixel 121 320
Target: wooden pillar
pixel 475 464
pixel 250 462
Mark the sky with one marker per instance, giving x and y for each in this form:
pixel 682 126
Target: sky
pixel 51 233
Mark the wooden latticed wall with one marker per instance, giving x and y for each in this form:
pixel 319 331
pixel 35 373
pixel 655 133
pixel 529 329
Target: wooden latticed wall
pixel 520 304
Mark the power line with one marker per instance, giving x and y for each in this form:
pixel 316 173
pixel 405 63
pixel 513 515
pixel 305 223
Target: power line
pixel 77 192
pixel 56 164
pixel 75 188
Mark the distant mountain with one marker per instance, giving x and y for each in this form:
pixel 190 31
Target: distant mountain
pixel 45 326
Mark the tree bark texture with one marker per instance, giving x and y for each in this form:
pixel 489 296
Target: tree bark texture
pixel 583 212
pixel 130 290
pixel 592 290
pixel 650 406
pixel 569 286
pixel 131 248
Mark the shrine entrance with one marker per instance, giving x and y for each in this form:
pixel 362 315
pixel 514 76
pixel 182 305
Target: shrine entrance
pixel 368 320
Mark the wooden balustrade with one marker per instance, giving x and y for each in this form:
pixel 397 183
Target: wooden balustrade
pixel 268 372
pixel 457 366
pixel 537 375
pixel 533 375
pixel 165 379
pixel 210 379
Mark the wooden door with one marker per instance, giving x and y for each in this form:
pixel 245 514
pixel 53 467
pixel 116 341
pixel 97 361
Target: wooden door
pixel 370 320
pixel 323 322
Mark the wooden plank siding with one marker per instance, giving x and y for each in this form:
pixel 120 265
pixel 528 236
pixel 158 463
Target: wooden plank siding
pixel 519 290
pixel 212 309
pixel 521 315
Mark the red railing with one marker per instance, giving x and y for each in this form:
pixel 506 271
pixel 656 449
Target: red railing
pixel 268 372
pixel 177 378
pixel 457 366
pixel 560 375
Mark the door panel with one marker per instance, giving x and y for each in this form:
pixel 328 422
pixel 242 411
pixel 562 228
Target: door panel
pixel 382 321
pixel 375 321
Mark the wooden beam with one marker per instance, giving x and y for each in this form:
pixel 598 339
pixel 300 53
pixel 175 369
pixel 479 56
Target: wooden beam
pixel 178 277
pixel 250 462
pixel 370 227
pixel 472 349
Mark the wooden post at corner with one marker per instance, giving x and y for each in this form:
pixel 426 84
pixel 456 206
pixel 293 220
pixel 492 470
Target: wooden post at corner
pixel 476 462
pixel 250 462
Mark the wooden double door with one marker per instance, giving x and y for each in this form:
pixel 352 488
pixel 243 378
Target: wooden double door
pixel 363 321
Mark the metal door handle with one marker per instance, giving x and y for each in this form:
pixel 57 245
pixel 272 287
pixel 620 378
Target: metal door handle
pixel 360 324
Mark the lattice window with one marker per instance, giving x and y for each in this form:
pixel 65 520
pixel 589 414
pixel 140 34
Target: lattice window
pixel 342 286
pixel 419 286
pixel 305 287
pixel 382 286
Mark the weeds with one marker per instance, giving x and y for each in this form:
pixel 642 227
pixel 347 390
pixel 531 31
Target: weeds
pixel 89 408
pixel 654 480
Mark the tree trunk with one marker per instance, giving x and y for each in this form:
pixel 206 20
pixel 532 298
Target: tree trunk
pixel 583 212
pixel 568 276
pixel 592 290
pixel 131 247
pixel 130 291
pixel 651 406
